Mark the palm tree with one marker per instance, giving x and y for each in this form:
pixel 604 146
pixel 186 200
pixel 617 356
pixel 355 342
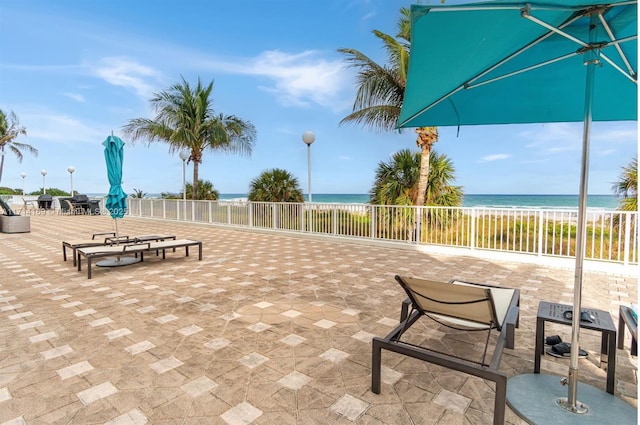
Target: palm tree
pixel 205 191
pixel 9 131
pixel 397 181
pixel 626 188
pixel 185 119
pixel 380 92
pixel 138 193
pixel 275 185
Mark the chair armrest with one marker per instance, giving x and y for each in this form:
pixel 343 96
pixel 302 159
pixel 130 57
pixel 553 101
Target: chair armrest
pixel 405 309
pixel 136 245
pixel 120 239
pixel 510 323
pixel 103 234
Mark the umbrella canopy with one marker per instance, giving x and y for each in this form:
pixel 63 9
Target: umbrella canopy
pixel 504 62
pixel 113 154
pixel 455 50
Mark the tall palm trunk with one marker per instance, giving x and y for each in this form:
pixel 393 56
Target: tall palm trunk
pixel 427 136
pixel 1 161
pixel 195 180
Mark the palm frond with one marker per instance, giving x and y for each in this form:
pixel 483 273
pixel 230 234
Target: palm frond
pixel 398 55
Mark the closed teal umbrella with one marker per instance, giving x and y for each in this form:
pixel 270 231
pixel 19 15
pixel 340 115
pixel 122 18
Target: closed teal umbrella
pixel 505 62
pixel 114 155
pixel 116 202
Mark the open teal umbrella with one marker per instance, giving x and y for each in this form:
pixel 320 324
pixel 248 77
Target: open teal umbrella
pixel 505 62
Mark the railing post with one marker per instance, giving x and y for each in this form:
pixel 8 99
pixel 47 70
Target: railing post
pixel 334 228
pixel 540 232
pixel 627 237
pixel 211 211
pixel 372 220
pixel 472 242
pixel 164 208
pixel 302 220
pixel 228 214
pixel 274 216
pixel 250 212
pixel 418 218
pixel 193 210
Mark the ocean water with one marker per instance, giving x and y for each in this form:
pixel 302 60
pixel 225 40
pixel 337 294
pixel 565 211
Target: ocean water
pixel 608 202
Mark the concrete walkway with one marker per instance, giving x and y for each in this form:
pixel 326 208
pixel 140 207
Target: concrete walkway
pixel 266 329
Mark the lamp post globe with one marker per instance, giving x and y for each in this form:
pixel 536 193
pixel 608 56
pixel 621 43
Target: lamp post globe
pixel 23 175
pixel 70 169
pixel 308 138
pixel 44 186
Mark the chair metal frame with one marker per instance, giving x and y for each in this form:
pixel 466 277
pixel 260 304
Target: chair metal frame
pixel 490 371
pixel 134 248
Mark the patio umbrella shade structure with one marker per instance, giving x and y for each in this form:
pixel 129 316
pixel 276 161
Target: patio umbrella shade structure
pixel 505 62
pixel 116 202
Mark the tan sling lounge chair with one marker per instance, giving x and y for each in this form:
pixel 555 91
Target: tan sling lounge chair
pixel 137 249
pixel 105 239
pixel 460 305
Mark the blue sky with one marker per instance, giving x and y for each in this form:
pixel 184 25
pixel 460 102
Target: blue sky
pixel 74 71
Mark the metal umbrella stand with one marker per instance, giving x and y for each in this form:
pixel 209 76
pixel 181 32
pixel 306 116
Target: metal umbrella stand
pixel 503 62
pixel 116 202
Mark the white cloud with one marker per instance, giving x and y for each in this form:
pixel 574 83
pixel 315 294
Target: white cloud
pixel 563 137
pixel 368 16
pixel 75 96
pixel 127 73
pixel 344 158
pixel 553 137
pixel 535 161
pixel 563 148
pixel 495 157
pixel 60 129
pixel 298 79
pixel 615 135
pixel 606 152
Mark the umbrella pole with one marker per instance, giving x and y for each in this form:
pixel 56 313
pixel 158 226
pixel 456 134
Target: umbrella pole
pixel 591 60
pixel 117 237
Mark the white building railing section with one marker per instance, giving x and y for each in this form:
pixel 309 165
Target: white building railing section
pixel 611 235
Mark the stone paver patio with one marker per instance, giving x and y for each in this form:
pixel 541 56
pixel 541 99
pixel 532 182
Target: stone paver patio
pixel 266 329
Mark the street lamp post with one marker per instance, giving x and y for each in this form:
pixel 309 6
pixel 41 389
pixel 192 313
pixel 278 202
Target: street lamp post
pixel 70 169
pixel 308 137
pixel 23 175
pixel 184 155
pixel 44 186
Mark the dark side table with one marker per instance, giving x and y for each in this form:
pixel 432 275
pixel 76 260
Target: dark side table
pixel 602 322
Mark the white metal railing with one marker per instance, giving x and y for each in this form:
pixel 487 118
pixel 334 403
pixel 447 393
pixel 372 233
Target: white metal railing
pixel 611 235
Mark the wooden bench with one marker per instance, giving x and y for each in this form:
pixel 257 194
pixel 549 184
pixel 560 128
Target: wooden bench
pixel 136 249
pixel 628 320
